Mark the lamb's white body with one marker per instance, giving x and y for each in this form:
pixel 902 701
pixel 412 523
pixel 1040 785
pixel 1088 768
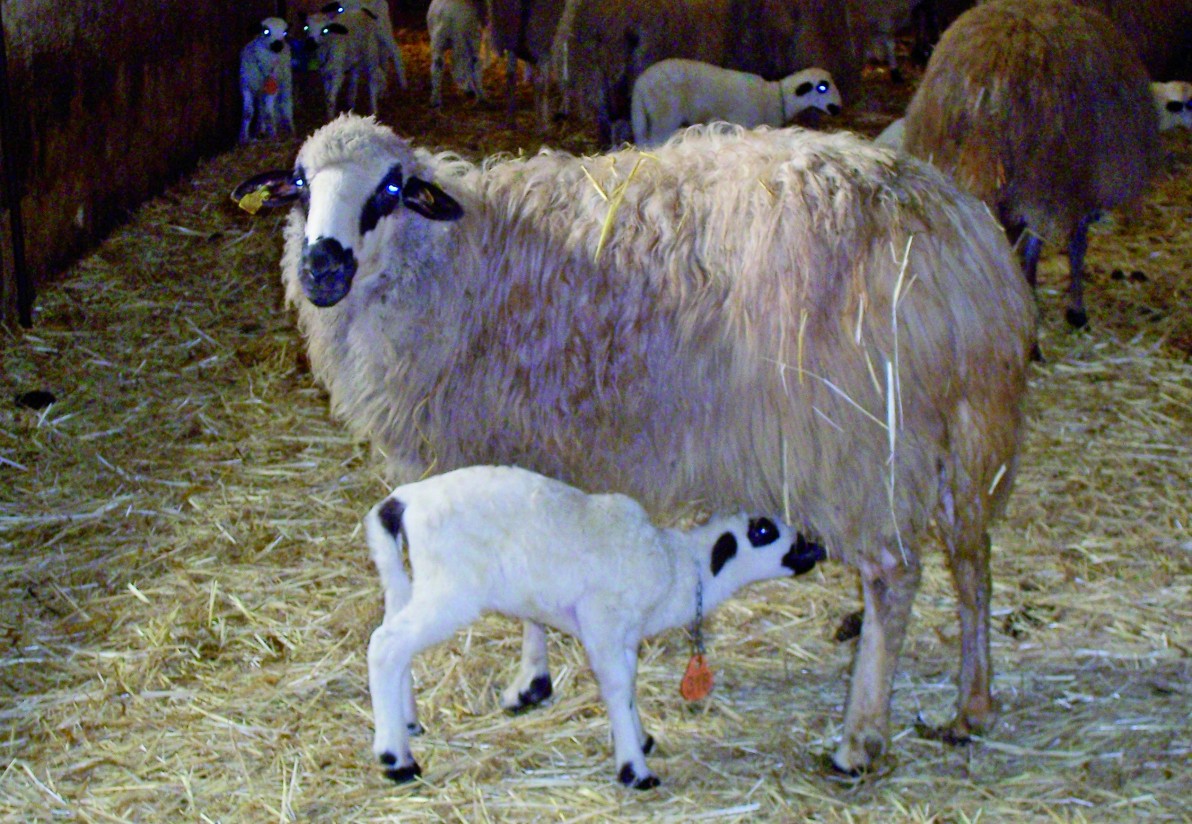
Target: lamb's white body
pixel 891 136
pixel 675 93
pixel 266 85
pixel 1173 100
pixel 347 51
pixel 502 539
pixel 455 25
pixel 378 10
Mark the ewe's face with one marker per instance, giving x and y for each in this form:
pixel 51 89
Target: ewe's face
pixel 352 211
pixel 273 32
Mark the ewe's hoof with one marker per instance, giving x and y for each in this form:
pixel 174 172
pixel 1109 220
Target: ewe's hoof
pixel 540 690
pixel 629 777
pixel 1077 318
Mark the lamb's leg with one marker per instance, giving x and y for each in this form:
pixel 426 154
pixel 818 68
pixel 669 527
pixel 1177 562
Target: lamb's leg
pixel 510 83
pixel 246 114
pixel 646 741
pixel 888 586
pixel 391 649
pixel 1078 244
pixel 616 672
pixel 437 62
pixel 1032 247
pixel 532 685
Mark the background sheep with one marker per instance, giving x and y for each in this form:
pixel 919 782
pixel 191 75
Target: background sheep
pixel 1173 100
pixel 525 30
pixel 347 49
pixel 501 539
pixel 1160 31
pixel 602 319
pixel 455 25
pixel 378 10
pixel 266 84
pixel 676 93
pixel 1042 109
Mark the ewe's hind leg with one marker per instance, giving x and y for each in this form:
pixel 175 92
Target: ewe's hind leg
pixel 532 685
pixel 888 588
pixel 391 650
pixel 1078 244
pixel 969 560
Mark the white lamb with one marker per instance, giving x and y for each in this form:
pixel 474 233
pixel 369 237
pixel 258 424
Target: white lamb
pixel 266 86
pixel 455 25
pixel 891 136
pixel 347 48
pixel 675 93
pixel 1174 102
pixel 378 10
pixel 507 540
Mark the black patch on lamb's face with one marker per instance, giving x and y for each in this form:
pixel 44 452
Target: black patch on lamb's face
pixel 723 551
pixel 803 88
pixel 390 514
pixel 762 531
pixel 803 555
pixel 384 199
pixel 1176 106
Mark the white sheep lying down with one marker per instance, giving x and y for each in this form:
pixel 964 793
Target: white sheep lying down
pixel 770 320
pixel 506 540
pixel 675 93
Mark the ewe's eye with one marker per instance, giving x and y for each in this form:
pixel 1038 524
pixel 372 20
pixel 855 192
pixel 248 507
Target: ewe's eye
pixel 393 189
pixel 385 199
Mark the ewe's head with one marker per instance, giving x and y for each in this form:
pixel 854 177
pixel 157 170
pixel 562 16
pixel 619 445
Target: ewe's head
pixel 272 33
pixel 749 549
pixel 355 180
pixel 810 89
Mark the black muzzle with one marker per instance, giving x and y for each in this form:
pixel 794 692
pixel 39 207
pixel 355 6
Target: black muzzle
pixel 803 556
pixel 326 271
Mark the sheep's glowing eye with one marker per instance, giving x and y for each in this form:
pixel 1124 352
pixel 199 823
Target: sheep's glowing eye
pixel 326 29
pixel 393 189
pixel 265 32
pixel 306 28
pixel 822 88
pixel 299 182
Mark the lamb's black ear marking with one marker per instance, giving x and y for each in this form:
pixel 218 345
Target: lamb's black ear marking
pixel 803 88
pixel 723 551
pixel 430 201
pixel 390 514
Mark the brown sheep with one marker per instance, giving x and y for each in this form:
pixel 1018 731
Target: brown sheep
pixel 781 320
pixel 1043 110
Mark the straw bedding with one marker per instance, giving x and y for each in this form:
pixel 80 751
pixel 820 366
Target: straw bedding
pixel 187 597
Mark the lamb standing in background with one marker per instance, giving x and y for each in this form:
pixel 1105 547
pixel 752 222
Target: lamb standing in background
pixel 266 85
pixel 455 25
pixel 1014 106
pixel 776 320
pixel 347 48
pixel 1173 100
pixel 378 10
pixel 893 135
pixel 675 93
pixel 502 539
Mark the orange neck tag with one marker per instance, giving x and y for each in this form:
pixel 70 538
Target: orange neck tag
pixel 271 85
pixel 697 681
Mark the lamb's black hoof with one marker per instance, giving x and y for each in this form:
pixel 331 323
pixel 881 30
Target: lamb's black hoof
pixel 540 689
pixel 648 745
pixel 1077 318
pixel 401 775
pixel 629 777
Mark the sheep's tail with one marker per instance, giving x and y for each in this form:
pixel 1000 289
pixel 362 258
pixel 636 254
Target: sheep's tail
pixel 383 530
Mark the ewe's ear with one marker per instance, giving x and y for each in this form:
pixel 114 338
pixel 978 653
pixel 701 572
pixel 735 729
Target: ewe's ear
pixel 267 190
pixel 430 201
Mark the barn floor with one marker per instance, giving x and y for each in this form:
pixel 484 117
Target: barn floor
pixel 187 598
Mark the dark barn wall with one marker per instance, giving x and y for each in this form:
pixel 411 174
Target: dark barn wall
pixel 109 102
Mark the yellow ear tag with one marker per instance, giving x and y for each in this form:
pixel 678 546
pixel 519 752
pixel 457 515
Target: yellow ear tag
pixel 697 681
pixel 253 201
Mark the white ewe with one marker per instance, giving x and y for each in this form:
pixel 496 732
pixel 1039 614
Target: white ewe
pixel 502 539
pixel 676 93
pixel 774 320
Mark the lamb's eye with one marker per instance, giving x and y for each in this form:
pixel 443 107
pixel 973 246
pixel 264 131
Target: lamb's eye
pixel 762 531
pixel 265 32
pixel 822 88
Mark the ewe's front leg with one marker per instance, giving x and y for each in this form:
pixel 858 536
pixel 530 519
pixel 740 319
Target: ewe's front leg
pixel 888 587
pixel 532 685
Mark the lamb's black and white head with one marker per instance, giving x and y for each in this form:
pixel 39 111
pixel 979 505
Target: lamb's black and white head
pixel 355 181
pixel 272 33
pixel 749 549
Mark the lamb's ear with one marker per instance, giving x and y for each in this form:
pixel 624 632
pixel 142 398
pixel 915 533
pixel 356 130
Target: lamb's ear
pixel 269 189
pixel 430 201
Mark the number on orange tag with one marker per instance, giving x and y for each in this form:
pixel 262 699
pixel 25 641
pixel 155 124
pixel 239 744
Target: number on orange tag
pixel 697 681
